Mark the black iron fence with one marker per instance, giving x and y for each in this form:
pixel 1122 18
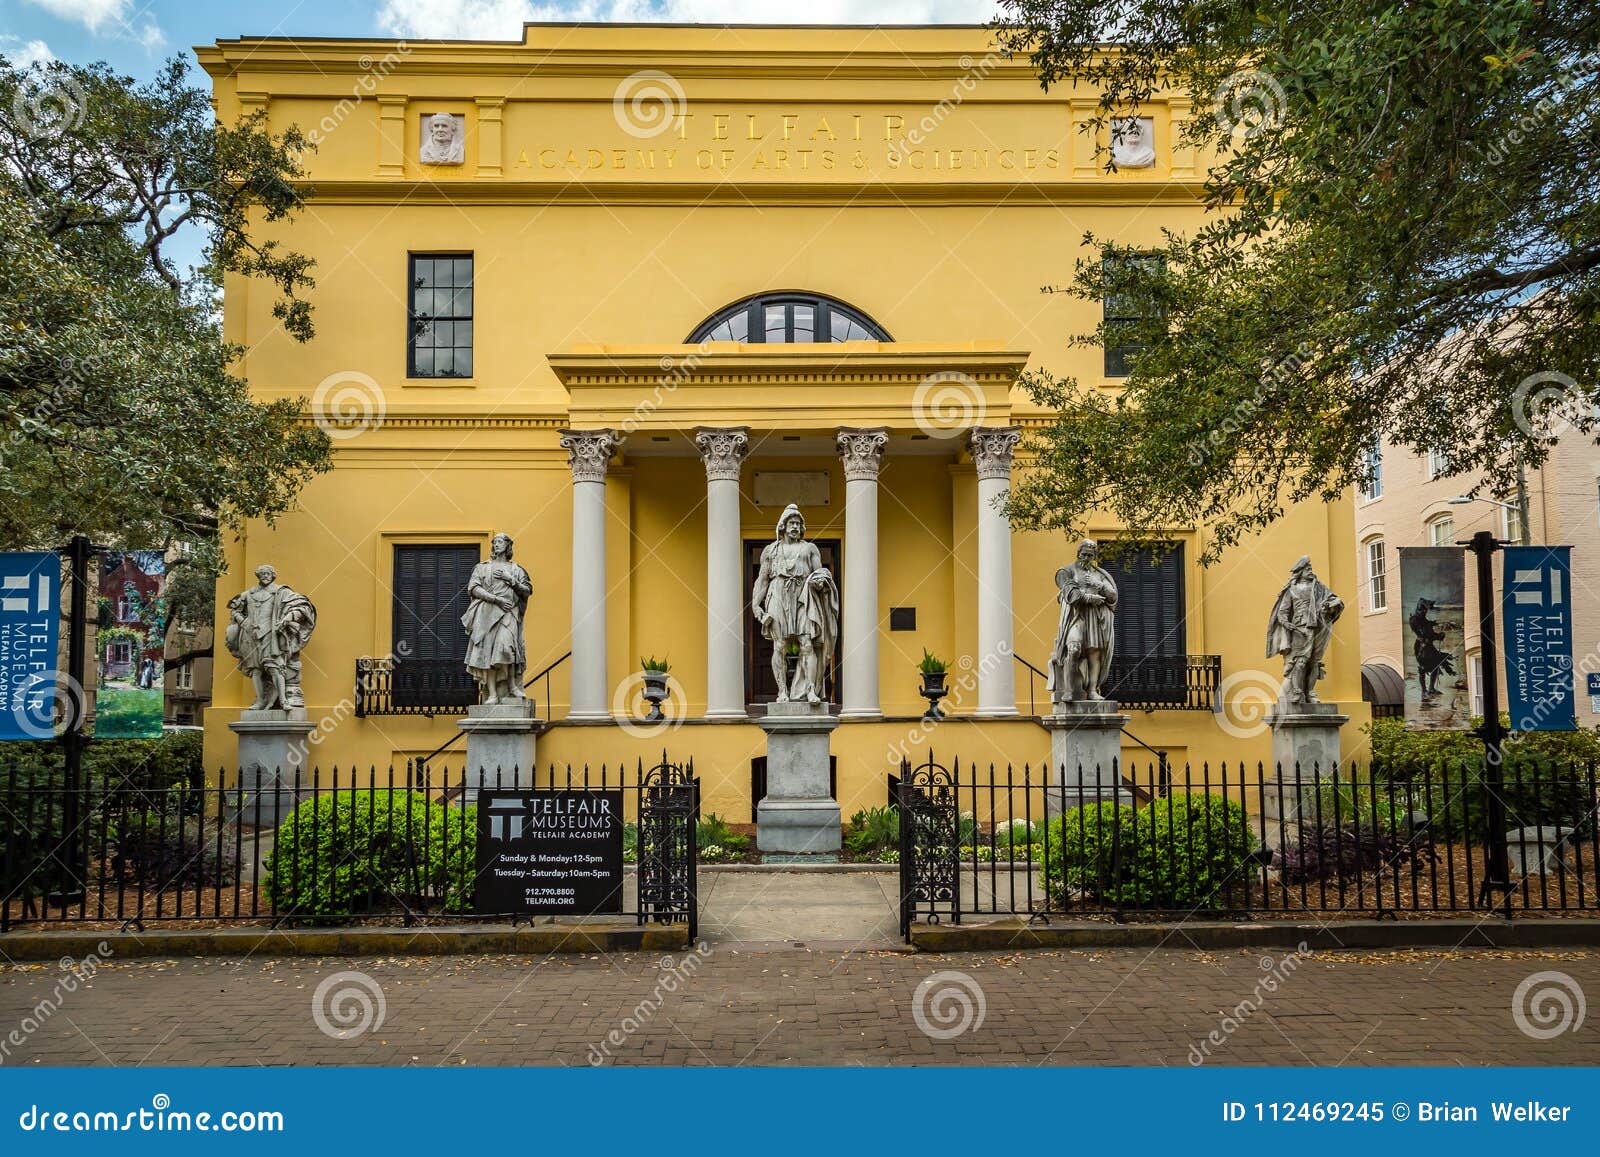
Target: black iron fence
pixel 1242 841
pixel 339 847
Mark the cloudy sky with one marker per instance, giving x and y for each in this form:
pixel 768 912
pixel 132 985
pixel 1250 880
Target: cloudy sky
pixel 136 35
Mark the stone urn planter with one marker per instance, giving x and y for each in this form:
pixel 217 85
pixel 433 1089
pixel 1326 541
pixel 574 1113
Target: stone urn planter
pixel 655 688
pixel 934 673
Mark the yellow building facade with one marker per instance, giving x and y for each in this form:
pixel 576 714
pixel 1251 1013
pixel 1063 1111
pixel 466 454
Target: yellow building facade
pixel 646 285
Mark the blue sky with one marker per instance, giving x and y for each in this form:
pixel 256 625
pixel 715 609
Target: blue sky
pixel 135 36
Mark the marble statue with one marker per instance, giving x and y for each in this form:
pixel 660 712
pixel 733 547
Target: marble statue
pixel 795 601
pixel 1300 629
pixel 1085 636
pixel 496 655
pixel 1133 144
pixel 444 139
pixel 268 626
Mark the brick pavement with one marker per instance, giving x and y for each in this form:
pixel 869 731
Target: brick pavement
pixel 744 1006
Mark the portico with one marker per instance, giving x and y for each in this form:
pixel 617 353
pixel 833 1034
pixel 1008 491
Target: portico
pixel 761 421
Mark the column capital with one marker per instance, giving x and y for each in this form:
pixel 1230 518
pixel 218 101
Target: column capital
pixel 862 451
pixel 588 452
pixel 722 449
pixel 992 450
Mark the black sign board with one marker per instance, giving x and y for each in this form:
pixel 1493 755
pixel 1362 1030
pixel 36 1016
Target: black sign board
pixel 549 853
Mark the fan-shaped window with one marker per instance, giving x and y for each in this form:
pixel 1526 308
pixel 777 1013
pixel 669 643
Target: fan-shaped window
pixel 789 317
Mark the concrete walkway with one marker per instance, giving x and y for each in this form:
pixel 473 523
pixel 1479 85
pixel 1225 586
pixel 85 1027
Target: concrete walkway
pixel 811 909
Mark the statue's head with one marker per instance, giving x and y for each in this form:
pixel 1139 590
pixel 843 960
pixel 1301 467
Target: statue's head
pixel 500 546
pixel 265 575
pixel 1088 551
pixel 791 524
pixel 1302 568
pixel 441 128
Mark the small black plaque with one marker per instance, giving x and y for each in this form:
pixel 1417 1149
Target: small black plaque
pixel 902 618
pixel 549 853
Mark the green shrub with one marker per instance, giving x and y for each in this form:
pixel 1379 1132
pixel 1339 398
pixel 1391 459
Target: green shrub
pixel 872 830
pixel 1016 832
pixel 713 832
pixel 170 850
pixel 392 847
pixel 967 831
pixel 630 843
pixel 1186 856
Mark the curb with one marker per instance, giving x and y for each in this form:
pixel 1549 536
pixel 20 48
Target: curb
pixel 1463 934
pixel 541 940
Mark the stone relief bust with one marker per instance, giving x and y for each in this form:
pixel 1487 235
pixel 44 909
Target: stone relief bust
pixel 1299 629
pixel 444 139
pixel 1133 142
pixel 268 626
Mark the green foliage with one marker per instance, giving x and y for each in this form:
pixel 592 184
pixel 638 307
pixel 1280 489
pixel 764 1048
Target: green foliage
pixel 873 830
pixel 967 831
pixel 1372 233
pixel 630 843
pixel 654 665
pixel 931 664
pixel 1547 776
pixel 120 412
pixel 1018 831
pixel 1184 857
pixel 165 849
pixel 713 832
pixel 349 852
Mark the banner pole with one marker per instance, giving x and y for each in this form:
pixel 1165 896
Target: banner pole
pixel 1497 877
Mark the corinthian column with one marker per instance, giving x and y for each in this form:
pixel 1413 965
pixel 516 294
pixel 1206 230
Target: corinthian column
pixel 588 453
pixel 992 448
pixel 723 451
pixel 862 452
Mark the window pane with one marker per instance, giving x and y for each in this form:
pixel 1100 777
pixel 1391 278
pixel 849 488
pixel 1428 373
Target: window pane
pixel 441 273
pixel 462 303
pixel 803 322
pixel 463 273
pixel 424 359
pixel 423 331
pixel 463 337
pixel 776 329
pixel 422 273
pixel 444 362
pixel 463 363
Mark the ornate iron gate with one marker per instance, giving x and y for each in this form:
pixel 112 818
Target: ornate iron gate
pixel 930 852
pixel 669 807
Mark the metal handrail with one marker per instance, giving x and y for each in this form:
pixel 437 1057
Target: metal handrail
pixel 423 761
pixel 1161 761
pixel 1032 671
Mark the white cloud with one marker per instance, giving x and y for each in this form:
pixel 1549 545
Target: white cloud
pixel 503 19
pixel 106 17
pixel 22 53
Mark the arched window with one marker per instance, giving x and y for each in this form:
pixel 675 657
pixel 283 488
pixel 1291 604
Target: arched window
pixel 788 317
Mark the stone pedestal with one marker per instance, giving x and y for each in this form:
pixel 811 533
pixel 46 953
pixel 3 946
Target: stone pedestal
pixel 1085 753
pixel 1305 748
pixel 502 746
pixel 798 821
pixel 273 745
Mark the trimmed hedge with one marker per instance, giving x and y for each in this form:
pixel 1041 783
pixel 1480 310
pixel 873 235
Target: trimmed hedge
pixel 1184 852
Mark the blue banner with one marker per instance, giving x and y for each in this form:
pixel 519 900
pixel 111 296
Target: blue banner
pixel 1311 1110
pixel 1536 603
pixel 30 625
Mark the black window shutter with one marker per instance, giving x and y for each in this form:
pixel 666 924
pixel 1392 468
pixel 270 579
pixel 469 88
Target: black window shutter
pixel 1151 631
pixel 430 644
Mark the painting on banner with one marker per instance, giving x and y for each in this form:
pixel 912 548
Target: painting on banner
pixel 1433 593
pixel 30 632
pixel 131 645
pixel 1536 606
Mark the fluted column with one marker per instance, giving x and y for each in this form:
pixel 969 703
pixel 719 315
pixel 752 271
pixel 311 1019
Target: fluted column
pixel 862 452
pixel 588 453
pixel 992 449
pixel 723 451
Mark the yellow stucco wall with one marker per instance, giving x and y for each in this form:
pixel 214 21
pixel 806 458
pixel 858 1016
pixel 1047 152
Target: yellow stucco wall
pixel 580 245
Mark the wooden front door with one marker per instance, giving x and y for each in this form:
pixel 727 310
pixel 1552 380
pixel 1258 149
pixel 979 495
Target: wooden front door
pixel 759 685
